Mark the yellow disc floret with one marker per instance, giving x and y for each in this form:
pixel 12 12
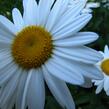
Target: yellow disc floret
pixel 105 66
pixel 32 47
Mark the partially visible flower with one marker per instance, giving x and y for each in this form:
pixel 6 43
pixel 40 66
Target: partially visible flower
pixel 103 65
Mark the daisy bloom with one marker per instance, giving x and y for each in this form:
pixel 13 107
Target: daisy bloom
pixel 45 45
pixel 103 65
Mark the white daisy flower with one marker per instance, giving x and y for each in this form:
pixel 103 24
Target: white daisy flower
pixel 103 65
pixel 45 45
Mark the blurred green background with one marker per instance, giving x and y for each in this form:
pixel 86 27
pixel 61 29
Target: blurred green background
pixel 84 98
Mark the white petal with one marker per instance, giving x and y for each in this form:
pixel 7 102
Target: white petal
pixel 5 61
pixel 36 91
pixel 26 87
pixel 93 5
pixel 97 82
pixel 107 92
pixel 17 18
pixel 4 39
pixel 44 10
pixel 8 25
pixel 106 83
pixel 78 68
pixel 4 53
pixel 5 34
pixel 55 14
pixel 8 72
pixel 30 15
pixel 99 88
pixel 86 10
pixel 80 38
pixel 72 27
pixel 102 53
pixel 106 49
pixel 58 69
pixel 91 71
pixel 79 53
pixel 69 66
pixel 64 8
pixel 59 90
pixel 9 89
pixel 69 16
pixel 75 2
pixel 11 102
pixel 25 4
pixel 4 44
pixel 106 52
pixel 20 89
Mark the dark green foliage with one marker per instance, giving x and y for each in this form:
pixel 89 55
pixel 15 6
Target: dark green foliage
pixel 84 98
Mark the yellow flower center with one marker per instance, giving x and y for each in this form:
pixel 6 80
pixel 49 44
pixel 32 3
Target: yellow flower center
pixel 32 47
pixel 105 66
